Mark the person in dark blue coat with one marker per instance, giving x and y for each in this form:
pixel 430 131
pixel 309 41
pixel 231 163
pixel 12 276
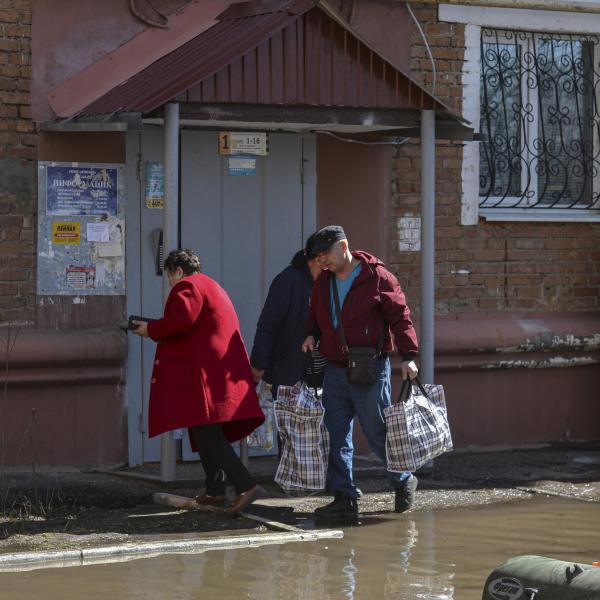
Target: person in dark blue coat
pixel 277 355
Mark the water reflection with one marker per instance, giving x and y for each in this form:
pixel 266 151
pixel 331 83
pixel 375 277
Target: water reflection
pixel 378 559
pixel 350 571
pixel 406 582
pixel 445 555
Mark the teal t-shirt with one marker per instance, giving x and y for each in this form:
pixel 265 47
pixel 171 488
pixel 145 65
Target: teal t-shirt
pixel 343 287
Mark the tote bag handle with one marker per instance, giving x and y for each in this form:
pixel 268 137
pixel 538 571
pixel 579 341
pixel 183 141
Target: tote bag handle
pixel 407 389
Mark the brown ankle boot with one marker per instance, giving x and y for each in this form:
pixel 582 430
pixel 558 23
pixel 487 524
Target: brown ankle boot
pixel 205 499
pixel 244 500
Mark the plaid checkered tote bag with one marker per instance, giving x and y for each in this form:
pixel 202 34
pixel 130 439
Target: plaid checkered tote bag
pixel 417 428
pixel 304 439
pixel 262 438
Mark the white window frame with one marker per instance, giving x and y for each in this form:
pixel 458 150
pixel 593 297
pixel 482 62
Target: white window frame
pixel 475 18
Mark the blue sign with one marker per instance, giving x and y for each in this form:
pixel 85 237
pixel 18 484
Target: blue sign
pixel 242 165
pixel 155 185
pixel 81 191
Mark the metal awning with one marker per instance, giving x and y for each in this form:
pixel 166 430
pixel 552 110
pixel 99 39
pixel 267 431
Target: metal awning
pixel 289 62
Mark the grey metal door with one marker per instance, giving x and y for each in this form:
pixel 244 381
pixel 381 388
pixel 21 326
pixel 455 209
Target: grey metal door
pixel 245 228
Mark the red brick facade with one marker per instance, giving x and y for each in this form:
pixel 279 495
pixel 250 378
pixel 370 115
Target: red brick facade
pixel 18 141
pixel 490 266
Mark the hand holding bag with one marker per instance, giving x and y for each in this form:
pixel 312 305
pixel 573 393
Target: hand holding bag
pixel 417 428
pixel 363 362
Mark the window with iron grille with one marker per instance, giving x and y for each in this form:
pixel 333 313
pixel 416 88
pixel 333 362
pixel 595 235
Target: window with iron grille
pixel 540 115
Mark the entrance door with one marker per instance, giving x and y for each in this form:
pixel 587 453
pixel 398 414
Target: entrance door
pixel 245 227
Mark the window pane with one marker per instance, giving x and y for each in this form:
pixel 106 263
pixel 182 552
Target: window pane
pixel 500 160
pixel 564 145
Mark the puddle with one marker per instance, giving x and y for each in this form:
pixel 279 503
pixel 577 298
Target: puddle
pixel 443 555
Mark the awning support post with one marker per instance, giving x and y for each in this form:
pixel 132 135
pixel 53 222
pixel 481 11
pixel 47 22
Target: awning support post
pixel 427 341
pixel 170 242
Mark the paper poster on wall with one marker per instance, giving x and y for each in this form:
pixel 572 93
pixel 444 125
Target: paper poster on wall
pixel 155 185
pixel 81 190
pixel 98 232
pixel 409 234
pixel 66 232
pixel 80 278
pixel 110 250
pixel 81 255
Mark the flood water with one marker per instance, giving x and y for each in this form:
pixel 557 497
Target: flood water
pixel 438 555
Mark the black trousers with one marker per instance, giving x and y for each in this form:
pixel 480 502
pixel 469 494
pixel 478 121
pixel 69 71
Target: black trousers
pixel 219 460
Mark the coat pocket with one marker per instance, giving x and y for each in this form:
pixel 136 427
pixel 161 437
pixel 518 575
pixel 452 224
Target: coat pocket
pixel 178 376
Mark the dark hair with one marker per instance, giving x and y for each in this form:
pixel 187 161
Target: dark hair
pixel 309 247
pixel 298 260
pixel 301 257
pixel 186 259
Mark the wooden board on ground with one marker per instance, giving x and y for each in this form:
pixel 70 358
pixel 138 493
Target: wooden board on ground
pixel 183 502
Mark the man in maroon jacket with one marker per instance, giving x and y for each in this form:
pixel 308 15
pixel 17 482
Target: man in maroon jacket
pixel 373 314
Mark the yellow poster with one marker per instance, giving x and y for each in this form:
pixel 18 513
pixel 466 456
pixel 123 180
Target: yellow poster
pixel 66 232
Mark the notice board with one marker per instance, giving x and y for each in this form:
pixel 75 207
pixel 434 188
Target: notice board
pixel 81 229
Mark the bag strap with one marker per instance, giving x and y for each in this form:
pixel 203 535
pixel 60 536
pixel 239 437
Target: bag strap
pixel 407 385
pixel 340 327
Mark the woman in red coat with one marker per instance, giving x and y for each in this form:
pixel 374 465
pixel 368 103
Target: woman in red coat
pixel 202 378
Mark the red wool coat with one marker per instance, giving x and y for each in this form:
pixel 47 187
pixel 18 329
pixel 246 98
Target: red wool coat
pixel 201 369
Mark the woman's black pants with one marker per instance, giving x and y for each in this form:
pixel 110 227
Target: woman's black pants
pixel 219 460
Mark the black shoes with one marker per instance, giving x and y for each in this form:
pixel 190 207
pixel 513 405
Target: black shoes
pixel 342 507
pixel 405 495
pixel 346 507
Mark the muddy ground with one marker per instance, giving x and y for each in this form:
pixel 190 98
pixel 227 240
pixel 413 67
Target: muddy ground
pixel 59 510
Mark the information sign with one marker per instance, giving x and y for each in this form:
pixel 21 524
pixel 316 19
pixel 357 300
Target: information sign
pixel 81 191
pixel 237 142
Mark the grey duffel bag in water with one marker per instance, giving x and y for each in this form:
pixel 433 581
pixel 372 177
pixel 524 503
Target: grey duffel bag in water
pixel 541 578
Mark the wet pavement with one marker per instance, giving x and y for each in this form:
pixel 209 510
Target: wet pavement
pixel 69 510
pixel 427 554
pixel 473 512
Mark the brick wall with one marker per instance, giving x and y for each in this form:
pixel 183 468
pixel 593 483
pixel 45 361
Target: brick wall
pixel 522 266
pixel 18 186
pixel 490 266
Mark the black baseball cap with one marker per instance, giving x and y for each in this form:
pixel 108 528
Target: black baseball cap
pixel 327 237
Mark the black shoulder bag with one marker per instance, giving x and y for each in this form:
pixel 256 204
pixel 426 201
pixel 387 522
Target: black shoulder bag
pixel 363 362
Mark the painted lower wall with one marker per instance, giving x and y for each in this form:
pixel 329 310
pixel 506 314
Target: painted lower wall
pixel 521 379
pixel 65 403
pixel 63 400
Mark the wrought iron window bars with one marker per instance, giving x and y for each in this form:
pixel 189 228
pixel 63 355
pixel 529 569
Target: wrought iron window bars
pixel 539 111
